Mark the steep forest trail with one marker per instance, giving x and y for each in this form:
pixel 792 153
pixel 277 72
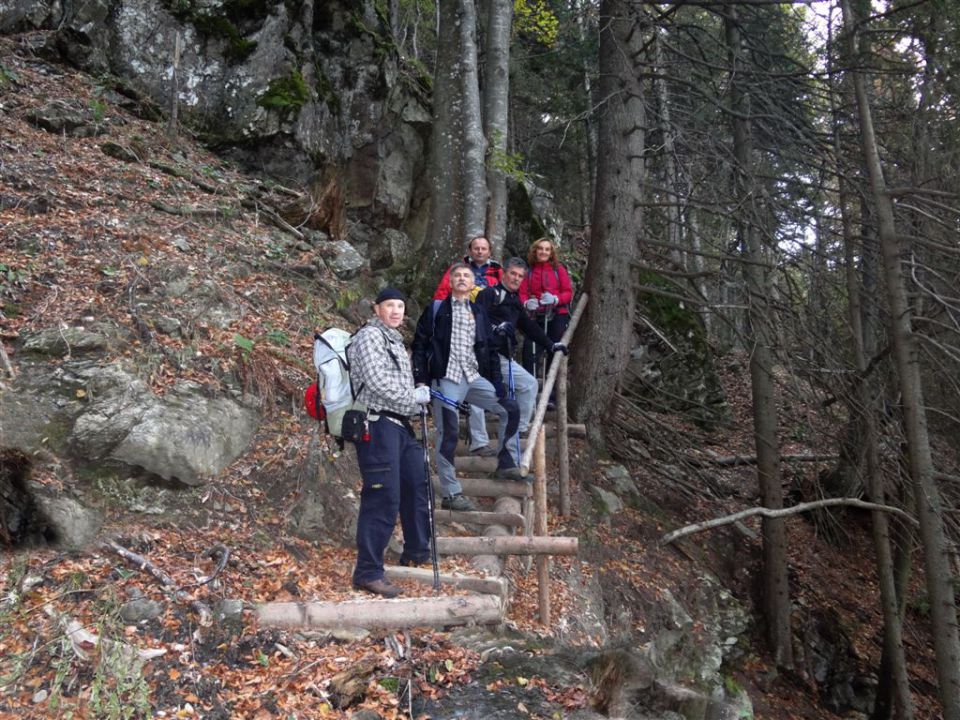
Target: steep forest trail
pixel 84 234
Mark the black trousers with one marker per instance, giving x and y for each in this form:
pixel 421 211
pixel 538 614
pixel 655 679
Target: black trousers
pixel 533 354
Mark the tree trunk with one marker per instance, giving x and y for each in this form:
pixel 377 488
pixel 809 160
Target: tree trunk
pixel 496 96
pixel 893 666
pixel 761 334
pixel 602 345
pixel 445 238
pixel 939 575
pixel 474 143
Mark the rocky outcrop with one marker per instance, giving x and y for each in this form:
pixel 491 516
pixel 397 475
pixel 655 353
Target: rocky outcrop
pixel 299 90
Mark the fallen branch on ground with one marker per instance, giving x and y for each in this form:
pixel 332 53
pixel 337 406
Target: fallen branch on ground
pixel 783 512
pixel 206 617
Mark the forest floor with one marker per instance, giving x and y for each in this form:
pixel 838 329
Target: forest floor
pixel 80 232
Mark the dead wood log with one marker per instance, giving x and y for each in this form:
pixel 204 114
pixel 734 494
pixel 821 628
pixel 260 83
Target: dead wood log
pixel 272 215
pixel 349 686
pixel 783 512
pixel 186 210
pixel 733 460
pixel 206 617
pixel 372 614
pixel 483 585
pixel 483 487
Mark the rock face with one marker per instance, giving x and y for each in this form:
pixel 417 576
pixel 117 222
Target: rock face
pixel 300 90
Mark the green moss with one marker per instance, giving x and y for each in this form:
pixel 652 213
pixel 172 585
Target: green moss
pixel 287 93
pixel 223 24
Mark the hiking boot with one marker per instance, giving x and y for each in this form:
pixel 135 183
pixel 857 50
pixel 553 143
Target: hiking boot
pixel 485 451
pixel 381 587
pixel 457 502
pixel 407 562
pixel 512 474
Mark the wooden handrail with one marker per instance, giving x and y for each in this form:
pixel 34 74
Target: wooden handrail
pixel 548 384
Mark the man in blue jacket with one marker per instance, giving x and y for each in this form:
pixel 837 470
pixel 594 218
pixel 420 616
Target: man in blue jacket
pixel 453 349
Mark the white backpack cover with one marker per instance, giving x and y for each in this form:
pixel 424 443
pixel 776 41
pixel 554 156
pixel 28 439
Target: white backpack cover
pixel 333 375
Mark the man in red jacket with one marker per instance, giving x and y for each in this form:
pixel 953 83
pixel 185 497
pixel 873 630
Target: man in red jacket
pixel 486 272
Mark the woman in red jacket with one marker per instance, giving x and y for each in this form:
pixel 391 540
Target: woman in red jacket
pixel 546 293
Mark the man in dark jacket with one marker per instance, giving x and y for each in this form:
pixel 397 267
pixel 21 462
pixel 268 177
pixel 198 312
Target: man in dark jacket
pixel 505 310
pixel 454 351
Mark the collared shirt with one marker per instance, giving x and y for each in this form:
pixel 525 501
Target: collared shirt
pixel 380 369
pixel 463 359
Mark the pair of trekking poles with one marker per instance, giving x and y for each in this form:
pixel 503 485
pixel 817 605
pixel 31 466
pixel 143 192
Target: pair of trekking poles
pixel 431 497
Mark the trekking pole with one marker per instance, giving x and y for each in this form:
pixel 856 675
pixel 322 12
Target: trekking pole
pixel 430 501
pixel 511 389
pixel 458 406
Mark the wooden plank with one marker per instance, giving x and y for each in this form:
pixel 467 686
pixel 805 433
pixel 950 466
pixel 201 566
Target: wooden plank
pixel 378 613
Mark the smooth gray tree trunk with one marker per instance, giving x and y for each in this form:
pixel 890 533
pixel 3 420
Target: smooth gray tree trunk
pixel 474 143
pixel 496 105
pixel 446 235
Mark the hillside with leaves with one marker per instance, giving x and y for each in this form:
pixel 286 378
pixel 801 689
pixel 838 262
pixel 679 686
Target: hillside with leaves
pixel 106 208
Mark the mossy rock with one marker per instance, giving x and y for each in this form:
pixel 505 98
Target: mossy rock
pixel 288 93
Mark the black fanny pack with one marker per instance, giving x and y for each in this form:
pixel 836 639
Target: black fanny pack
pixel 354 428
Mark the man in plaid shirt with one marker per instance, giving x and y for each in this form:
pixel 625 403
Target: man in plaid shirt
pixel 454 350
pixel 390 458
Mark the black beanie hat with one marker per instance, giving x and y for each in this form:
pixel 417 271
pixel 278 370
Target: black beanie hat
pixel 390 293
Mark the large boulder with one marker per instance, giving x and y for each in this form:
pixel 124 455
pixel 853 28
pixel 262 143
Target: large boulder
pixel 185 435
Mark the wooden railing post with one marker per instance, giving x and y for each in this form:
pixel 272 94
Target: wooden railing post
pixel 540 523
pixel 563 442
pixel 541 411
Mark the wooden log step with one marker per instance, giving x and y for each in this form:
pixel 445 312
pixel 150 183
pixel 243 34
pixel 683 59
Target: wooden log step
pixel 474 465
pixel 376 613
pixel 577 430
pixel 508 545
pixel 484 487
pixel 424 575
pixel 479 517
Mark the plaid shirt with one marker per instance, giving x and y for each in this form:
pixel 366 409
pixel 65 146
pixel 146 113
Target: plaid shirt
pixel 379 363
pixel 463 359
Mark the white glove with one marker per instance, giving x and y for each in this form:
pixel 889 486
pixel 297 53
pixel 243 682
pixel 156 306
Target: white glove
pixel 421 394
pixel 548 299
pixel 532 304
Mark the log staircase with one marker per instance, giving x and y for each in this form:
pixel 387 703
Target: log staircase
pixel 516 524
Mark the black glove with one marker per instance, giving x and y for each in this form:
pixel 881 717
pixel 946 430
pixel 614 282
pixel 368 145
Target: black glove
pixel 559 348
pixel 504 328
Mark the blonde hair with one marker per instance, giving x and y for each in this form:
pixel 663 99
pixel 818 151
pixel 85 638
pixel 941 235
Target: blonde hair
pixel 532 252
